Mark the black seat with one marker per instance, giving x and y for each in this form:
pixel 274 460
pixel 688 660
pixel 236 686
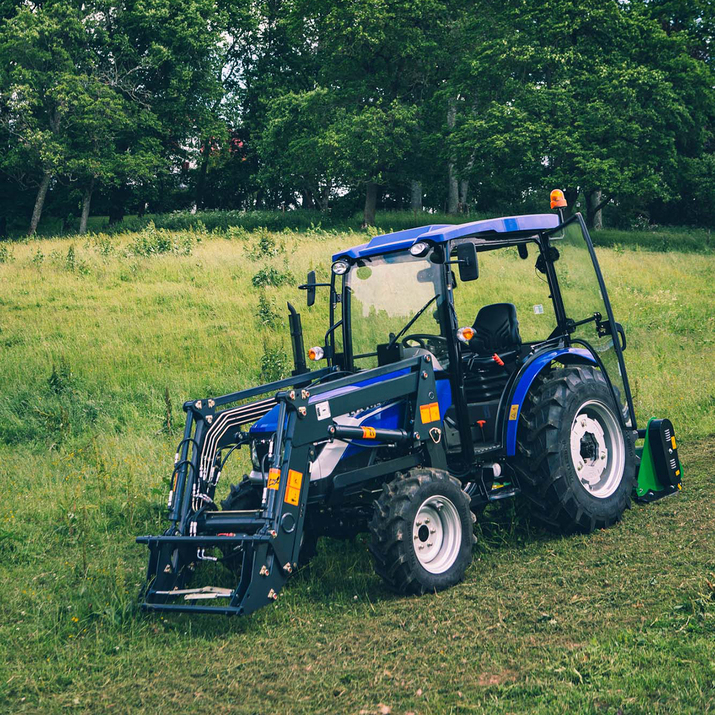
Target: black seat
pixel 496 330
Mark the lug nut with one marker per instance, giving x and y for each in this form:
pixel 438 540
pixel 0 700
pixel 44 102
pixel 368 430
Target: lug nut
pixel 432 530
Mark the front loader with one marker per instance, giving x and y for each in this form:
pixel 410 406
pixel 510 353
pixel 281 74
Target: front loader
pixel 421 417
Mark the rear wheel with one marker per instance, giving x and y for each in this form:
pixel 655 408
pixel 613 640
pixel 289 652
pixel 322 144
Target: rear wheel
pixel 422 532
pixel 576 463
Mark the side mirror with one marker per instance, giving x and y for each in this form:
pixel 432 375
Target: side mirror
pixel 467 260
pixel 310 288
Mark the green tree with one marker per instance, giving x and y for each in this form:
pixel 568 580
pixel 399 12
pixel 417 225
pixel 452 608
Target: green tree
pixel 594 98
pixel 371 64
pixel 45 50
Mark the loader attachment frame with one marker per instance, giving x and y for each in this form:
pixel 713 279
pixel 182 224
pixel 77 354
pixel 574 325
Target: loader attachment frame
pixel 269 538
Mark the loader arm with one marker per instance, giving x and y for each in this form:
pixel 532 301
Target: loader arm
pixel 269 538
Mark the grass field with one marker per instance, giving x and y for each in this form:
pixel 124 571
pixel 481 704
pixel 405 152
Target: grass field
pixel 103 338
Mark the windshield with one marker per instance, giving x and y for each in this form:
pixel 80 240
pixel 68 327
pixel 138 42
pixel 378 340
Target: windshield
pixel 386 293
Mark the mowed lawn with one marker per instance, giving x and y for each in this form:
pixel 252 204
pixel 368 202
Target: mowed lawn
pixel 102 339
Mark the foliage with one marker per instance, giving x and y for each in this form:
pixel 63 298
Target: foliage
pixel 271 276
pixel 209 104
pixel 154 241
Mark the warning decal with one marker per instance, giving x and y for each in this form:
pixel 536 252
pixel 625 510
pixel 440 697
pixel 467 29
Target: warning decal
pixel 274 478
pixel 295 479
pixel 513 412
pixel 429 413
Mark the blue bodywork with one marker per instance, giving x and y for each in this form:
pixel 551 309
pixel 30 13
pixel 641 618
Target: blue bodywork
pixel 439 233
pixel 389 417
pixel 539 362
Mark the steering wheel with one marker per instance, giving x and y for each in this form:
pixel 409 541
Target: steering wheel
pixel 422 339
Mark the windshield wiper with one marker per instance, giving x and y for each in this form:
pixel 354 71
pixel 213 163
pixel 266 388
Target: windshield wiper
pixel 412 321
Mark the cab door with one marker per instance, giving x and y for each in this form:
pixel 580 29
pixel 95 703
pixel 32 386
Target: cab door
pixel 585 301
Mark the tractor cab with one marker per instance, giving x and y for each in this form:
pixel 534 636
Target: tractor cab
pixel 489 301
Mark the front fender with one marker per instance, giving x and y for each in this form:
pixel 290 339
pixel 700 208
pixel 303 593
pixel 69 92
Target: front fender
pixel 526 377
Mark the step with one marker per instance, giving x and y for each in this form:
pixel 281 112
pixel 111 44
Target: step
pixel 483 449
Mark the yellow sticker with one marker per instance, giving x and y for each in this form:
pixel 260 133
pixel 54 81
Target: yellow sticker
pixel 434 411
pixel 295 479
pixel 368 432
pixel 672 441
pixel 513 412
pixel 429 413
pixel 274 478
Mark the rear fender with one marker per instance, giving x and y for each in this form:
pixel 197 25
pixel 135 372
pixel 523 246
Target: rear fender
pixel 525 378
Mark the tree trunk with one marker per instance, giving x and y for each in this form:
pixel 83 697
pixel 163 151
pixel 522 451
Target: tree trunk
pixel 368 218
pixel 39 203
pixel 86 201
pixel 463 195
pixel 324 197
pixel 416 196
pixel 570 195
pixel 594 209
pixel 453 185
pixel 203 170
pixel 308 201
pixel 116 207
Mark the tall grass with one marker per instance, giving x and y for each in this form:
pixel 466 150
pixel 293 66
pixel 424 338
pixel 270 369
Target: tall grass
pixel 102 340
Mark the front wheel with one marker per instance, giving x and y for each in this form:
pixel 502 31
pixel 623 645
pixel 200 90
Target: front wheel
pixel 576 462
pixel 422 532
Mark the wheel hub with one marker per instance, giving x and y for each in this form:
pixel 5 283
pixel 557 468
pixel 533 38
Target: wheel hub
pixel 437 534
pixel 597 449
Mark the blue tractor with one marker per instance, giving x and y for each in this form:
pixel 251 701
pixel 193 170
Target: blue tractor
pixel 433 395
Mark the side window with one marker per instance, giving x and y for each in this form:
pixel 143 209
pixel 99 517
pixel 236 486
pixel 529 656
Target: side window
pixel 504 277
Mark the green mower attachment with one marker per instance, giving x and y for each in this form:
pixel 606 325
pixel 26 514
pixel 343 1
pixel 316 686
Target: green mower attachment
pixel 659 473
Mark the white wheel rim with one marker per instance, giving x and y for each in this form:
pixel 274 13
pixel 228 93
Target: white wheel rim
pixel 598 449
pixel 437 534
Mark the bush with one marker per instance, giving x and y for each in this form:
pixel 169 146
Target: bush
pixel 153 241
pixel 5 254
pixel 271 276
pixel 274 363
pixel 266 313
pixel 265 246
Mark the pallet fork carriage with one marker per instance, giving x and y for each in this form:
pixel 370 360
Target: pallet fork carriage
pixel 409 435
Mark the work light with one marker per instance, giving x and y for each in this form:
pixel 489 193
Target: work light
pixel 419 248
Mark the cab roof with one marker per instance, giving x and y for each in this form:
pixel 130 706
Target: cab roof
pixel 441 232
